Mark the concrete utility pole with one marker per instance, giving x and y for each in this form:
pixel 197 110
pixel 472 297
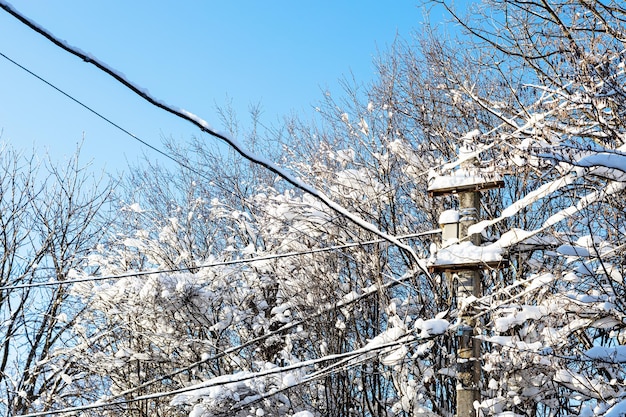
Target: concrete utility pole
pixel 468 284
pixel 465 273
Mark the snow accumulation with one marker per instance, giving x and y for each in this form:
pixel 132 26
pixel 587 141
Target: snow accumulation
pixel 135 208
pixel 303 414
pixel 396 356
pixel 199 120
pixel 614 354
pixel 586 247
pixel 232 142
pixel 493 406
pixel 240 388
pixel 467 153
pixel 618 410
pixel 541 192
pixel 584 385
pixel 509 341
pixel 518 316
pixel 508 414
pixel 608 164
pixel 431 327
pixel 530 198
pixel 611 188
pixel 605 159
pixel 449 217
pixel 395 331
pixel 468 253
pixel 218 389
pixel 461 178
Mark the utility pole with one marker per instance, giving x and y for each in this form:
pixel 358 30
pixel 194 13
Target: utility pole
pixel 464 271
pixel 468 283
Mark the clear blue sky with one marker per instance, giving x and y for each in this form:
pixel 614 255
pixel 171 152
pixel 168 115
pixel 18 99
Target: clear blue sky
pixel 191 54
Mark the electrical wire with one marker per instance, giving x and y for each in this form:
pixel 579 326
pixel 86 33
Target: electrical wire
pixel 210 265
pixel 288 326
pixel 205 127
pixel 176 160
pixel 300 365
pixel 116 125
pixel 345 362
pixel 80 103
pixel 143 273
pixel 343 365
pixel 112 123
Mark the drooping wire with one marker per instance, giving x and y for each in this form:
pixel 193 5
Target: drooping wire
pixel 80 103
pixel 233 143
pixel 339 356
pixel 284 328
pixel 209 265
pixel 344 362
pixel 174 159
pixel 143 273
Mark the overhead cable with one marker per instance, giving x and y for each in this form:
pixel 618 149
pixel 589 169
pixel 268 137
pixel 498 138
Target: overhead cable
pixel 209 265
pixel 126 131
pixel 205 127
pixel 355 353
pixel 286 327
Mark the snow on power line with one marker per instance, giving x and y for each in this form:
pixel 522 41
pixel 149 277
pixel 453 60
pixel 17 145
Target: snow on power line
pixel 206 127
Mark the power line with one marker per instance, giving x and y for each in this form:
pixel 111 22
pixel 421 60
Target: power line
pixel 343 365
pixel 355 353
pixel 143 273
pixel 108 120
pixel 210 265
pixel 345 362
pixel 233 143
pixel 203 126
pixel 112 123
pixel 286 327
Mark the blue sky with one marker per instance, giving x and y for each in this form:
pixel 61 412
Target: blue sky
pixel 193 54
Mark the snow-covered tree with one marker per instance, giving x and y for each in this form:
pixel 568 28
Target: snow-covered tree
pixel 563 334
pixel 50 219
pixel 331 320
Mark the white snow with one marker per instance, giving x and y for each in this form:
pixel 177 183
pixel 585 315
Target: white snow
pixel 611 188
pixel 461 178
pixel 197 119
pixel 232 142
pixel 468 253
pixel 135 208
pixel 396 356
pixel 584 385
pixel 512 237
pixel 449 217
pixel 303 414
pixel 431 327
pixel 618 410
pixel 614 354
pixel 467 153
pixel 241 387
pixel 518 315
pixel 390 335
pixel 604 159
pixel 530 198
pixel 586 247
